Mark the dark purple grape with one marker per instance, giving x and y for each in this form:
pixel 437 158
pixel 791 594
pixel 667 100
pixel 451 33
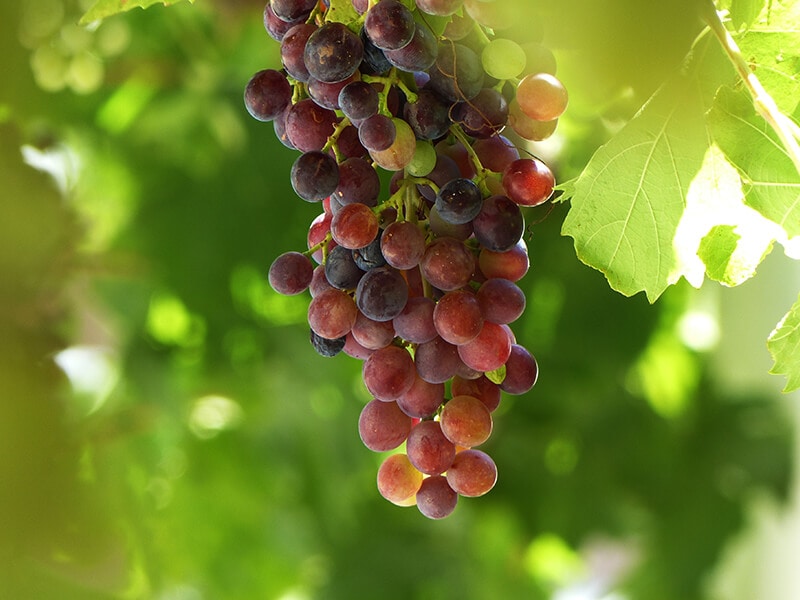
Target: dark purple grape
pixel 496 152
pixel 308 125
pixel 325 347
pixel 429 116
pixel 522 371
pixel 445 169
pixel 457 74
pixel 349 145
pixel 436 360
pixel 389 24
pixel 327 94
pixel 279 127
pixel 459 201
pixel 435 498
pixel 442 228
pixel 377 132
pixel 333 53
pixel 292 46
pixel 276 27
pixel 314 176
pixel 418 55
pixel 501 300
pixel 499 225
pixel 358 182
pixel 292 10
pixel 374 61
pixel 291 273
pixel 415 323
pixel 483 116
pixel 369 257
pixel 358 100
pixel 267 95
pixel 382 294
pixel 341 271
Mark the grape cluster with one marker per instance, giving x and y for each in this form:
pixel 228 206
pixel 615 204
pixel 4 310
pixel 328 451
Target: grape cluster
pixel 419 283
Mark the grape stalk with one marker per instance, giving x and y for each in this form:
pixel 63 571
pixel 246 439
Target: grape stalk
pixel 420 281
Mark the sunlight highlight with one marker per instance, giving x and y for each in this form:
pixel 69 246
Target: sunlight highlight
pixel 212 415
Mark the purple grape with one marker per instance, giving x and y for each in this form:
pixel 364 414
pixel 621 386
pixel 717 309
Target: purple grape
pixel 314 176
pixel 459 201
pixel 382 294
pixel 390 25
pixel 333 53
pixel 267 95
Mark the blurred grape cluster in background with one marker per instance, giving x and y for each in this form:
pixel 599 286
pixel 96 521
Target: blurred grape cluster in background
pixel 167 432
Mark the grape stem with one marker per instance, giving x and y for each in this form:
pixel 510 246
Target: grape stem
pixel 322 245
pixel 334 138
pixel 481 172
pixel 764 103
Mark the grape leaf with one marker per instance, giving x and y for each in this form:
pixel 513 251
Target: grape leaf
pixel 629 199
pixel 716 250
pixel 751 145
pixel 716 214
pixel 745 12
pixel 343 11
pixel 497 376
pixel 784 345
pixel 102 9
pixel 774 57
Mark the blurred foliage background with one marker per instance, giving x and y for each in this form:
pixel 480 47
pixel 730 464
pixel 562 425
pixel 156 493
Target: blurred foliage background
pixel 167 432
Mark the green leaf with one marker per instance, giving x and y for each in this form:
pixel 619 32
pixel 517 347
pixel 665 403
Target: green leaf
pixel 102 9
pixel 719 234
pixel 343 11
pixel 745 12
pixel 497 376
pixel 629 199
pixel 784 345
pixel 774 56
pixel 750 144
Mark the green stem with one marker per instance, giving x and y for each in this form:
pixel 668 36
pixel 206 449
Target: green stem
pixel 334 138
pixel 764 103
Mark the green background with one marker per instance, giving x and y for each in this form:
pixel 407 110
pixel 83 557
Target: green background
pixel 208 452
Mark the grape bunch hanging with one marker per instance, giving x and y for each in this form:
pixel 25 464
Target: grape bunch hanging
pixel 417 281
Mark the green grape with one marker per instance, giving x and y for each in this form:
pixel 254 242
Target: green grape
pixel 85 73
pixel 39 21
pixel 49 68
pixel 503 59
pixel 113 37
pixel 424 159
pixel 75 39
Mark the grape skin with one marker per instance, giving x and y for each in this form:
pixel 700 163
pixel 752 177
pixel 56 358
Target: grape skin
pixel 473 473
pixel 383 426
pixel 435 498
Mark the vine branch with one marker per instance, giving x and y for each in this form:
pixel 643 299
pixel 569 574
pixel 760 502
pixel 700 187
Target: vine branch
pixel 764 104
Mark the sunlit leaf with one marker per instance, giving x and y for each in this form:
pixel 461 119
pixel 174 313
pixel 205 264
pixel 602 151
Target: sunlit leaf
pixel 629 200
pixel 744 12
pixel 107 8
pixel 784 345
pixel 773 182
pixel 773 52
pixel 719 235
